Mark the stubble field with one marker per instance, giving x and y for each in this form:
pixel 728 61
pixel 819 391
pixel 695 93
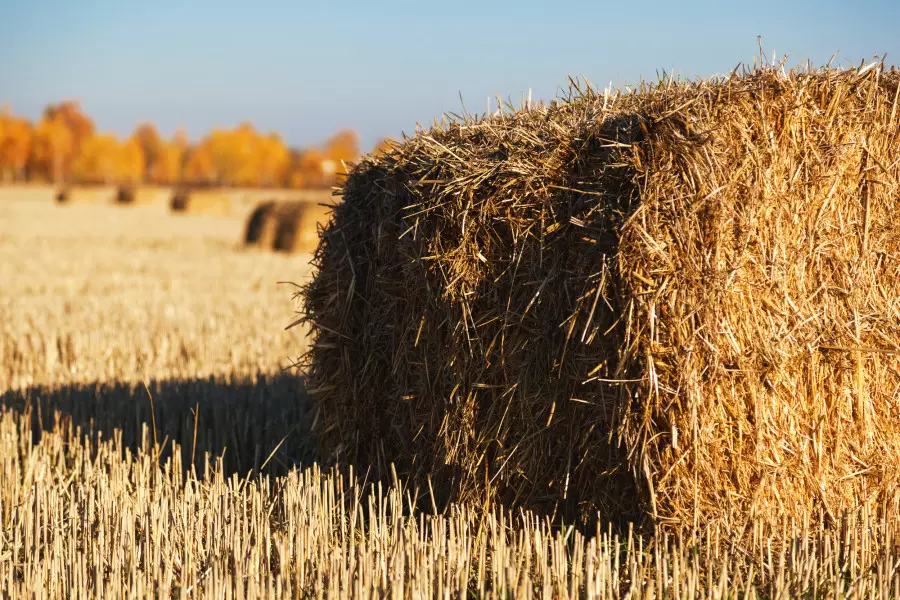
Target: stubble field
pixel 152 444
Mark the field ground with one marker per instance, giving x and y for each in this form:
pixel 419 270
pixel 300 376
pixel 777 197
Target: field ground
pixel 149 438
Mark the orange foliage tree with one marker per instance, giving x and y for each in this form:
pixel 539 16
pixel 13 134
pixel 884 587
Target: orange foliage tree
pixel 200 166
pixel 132 162
pixel 167 168
pixel 63 147
pixel 343 149
pixel 16 138
pixel 53 149
pixel 151 145
pixel 99 160
pixel 79 126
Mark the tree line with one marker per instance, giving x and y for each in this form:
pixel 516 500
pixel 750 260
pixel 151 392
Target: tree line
pixel 64 147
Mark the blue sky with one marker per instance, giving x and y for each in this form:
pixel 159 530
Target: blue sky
pixel 306 69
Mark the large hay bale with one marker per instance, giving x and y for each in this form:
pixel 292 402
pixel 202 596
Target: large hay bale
pixel 682 303
pixel 202 201
pixel 261 225
pixel 298 226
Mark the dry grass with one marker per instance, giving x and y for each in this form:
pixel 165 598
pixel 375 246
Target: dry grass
pixel 35 192
pixel 679 303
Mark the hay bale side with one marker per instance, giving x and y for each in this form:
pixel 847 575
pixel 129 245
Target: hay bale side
pixel 261 225
pixel 680 302
pixel 298 226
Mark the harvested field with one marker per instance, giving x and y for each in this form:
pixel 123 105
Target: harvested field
pixel 34 192
pixel 678 305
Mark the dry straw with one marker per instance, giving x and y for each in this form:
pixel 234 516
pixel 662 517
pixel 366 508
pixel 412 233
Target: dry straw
pixel 680 302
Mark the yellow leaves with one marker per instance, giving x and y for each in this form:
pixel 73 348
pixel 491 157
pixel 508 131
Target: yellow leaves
pixel 16 138
pixel 64 147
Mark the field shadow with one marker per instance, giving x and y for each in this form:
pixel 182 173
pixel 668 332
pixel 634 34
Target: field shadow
pixel 252 425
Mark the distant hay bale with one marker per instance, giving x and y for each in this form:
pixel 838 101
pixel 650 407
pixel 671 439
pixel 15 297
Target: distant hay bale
pixel 125 194
pixel 201 201
pixel 298 226
pixel 261 225
pixel 86 195
pixel 679 303
pixel 179 200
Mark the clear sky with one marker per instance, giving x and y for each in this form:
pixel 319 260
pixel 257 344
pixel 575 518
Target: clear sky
pixel 306 68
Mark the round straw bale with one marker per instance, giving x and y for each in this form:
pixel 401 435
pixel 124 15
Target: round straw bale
pixel 125 194
pixel 179 200
pixel 679 304
pixel 298 226
pixel 261 225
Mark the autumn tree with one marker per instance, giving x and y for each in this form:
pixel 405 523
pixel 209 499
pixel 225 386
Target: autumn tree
pixel 16 138
pixel 199 167
pixel 146 136
pixel 167 168
pixel 342 148
pixel 310 170
pixel 79 126
pixel 99 160
pixel 132 162
pixel 53 148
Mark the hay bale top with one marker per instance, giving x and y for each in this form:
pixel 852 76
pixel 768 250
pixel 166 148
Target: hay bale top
pixel 678 303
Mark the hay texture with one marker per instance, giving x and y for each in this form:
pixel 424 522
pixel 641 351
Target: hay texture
pixel 299 225
pixel 680 303
pixel 201 202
